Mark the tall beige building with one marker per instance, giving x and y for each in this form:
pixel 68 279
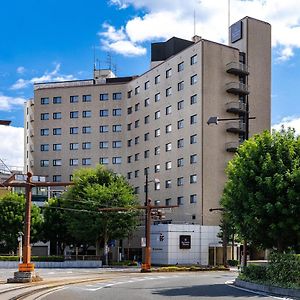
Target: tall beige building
pixel 157 122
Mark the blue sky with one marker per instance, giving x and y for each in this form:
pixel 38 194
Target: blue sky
pixel 53 40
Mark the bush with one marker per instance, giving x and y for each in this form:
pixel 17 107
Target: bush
pixel 233 262
pixel 255 272
pixel 33 258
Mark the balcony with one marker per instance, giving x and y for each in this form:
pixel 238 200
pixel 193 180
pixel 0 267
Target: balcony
pixel 232 146
pixel 236 127
pixel 237 68
pixel 237 88
pixel 236 107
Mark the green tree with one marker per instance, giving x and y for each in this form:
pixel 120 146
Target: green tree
pixel 262 194
pixel 94 189
pixel 12 207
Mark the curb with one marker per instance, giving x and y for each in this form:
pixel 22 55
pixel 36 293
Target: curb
pixel 268 289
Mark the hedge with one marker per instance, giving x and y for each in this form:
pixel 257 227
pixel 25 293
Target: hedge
pixel 33 258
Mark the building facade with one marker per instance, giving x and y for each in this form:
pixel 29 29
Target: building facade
pixel 157 122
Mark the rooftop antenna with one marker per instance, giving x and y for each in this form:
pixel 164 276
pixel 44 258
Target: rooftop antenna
pixel 228 7
pixel 194 21
pixel 94 58
pixel 109 60
pixel 114 66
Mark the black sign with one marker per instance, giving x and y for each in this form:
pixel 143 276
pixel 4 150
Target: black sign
pixel 236 31
pixel 184 242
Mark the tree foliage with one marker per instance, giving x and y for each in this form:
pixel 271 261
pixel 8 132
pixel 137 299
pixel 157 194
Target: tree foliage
pixel 262 194
pixel 12 207
pixel 94 189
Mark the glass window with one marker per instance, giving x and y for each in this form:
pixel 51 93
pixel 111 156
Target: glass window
pixel 157 186
pixel 86 113
pixel 103 145
pixel 168 128
pixel 136 173
pixel 45 101
pixel 74 99
pixel 180 181
pixel 180 66
pixel 180 143
pixel 103 128
pixel 103 112
pixel 56 131
pixel 117 112
pixel 194 59
pixel 129 94
pixel 137 90
pixel 157 150
pixel 157 168
pixel 74 161
pixel 157 115
pixel 129 143
pixel 136 156
pixel 193 119
pixel 129 158
pixel 56 100
pixel 116 144
pixel 193 139
pixel 86 98
pixel 146 102
pixel 168 165
pixel 147 85
pixel 86 145
pixel 168 147
pixel 180 200
pixel 194 79
pixel 117 96
pixel 129 110
pixel 117 128
pixel 146 120
pixel 104 97
pixel 136 140
pixel 86 129
pixel 193 198
pixel 168 92
pixel 180 105
pixel 129 126
pixel 146 136
pixel 57 115
pixel 180 85
pixel 56 178
pixel 137 107
pixel 157 97
pixel 137 190
pixel 74 130
pixel 157 132
pixel 194 99
pixel 136 123
pixel 157 79
pixel 168 183
pixel 180 124
pixel 193 158
pixel 56 162
pixel 45 147
pixel 74 146
pixel 168 110
pixel 45 131
pixel 169 73
pixel 180 162
pixel 74 114
pixel 146 153
pixel 57 147
pixel 86 161
pixel 45 116
pixel 104 160
pixel 146 171
pixel 193 178
pixel 44 163
pixel 129 175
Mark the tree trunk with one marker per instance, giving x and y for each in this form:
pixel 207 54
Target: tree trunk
pixel 105 246
pixel 98 252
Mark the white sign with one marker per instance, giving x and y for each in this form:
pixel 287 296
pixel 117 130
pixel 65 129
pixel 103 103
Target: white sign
pixel 143 242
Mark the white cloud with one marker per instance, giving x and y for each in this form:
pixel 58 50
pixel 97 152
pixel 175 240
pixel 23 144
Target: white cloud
pixel 292 122
pixel 164 19
pixel 47 76
pixel 126 48
pixel 8 103
pixel 12 146
pixel 21 70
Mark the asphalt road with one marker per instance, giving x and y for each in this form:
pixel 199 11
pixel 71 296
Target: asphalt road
pixel 200 285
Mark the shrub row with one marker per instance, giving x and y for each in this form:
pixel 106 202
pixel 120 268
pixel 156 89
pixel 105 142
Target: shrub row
pixel 33 258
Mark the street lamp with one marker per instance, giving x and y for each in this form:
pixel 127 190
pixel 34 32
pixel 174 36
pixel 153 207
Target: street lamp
pixel 20 241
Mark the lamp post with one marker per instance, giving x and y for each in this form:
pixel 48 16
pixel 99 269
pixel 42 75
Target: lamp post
pixel 20 241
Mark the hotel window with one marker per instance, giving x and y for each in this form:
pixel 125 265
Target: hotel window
pixel 193 119
pixel 74 99
pixel 180 162
pixel 180 66
pixel 74 114
pixel 157 132
pixel 104 97
pixel 129 143
pixel 137 124
pixel 157 186
pixel 56 178
pixel 56 131
pixel 129 94
pixel 129 175
pixel 74 130
pixel 180 181
pixel 193 178
pixel 137 90
pixel 103 112
pixel 157 168
pixel 129 110
pixel 74 162
pixel 168 92
pixel 103 145
pixel 103 128
pixel 180 200
pixel 157 115
pixel 56 162
pixel 74 146
pixel 146 153
pixel 193 139
pixel 86 129
pixel 146 102
pixel 193 158
pixel 117 128
pixel 129 158
pixel 86 113
pixel 157 150
pixel 44 131
pixel 116 160
pixel 129 126
pixel 86 145
pixel 168 110
pixel 104 160
pixel 45 116
pixel 44 147
pixel 146 171
pixel 180 85
pixel 44 163
pixel 137 190
pixel 193 198
pixel 168 73
pixel 168 201
pixel 44 101
pixel 194 79
pixel 146 120
pixel 169 128
pixel 146 136
pixel 136 140
pixel 117 96
pixel 194 99
pixel 86 98
pixel 86 161
pixel 180 143
pixel 117 144
pixel 194 59
pixel 137 157
pixel 168 165
pixel 180 124
pixel 157 97
pixel 57 147
pixel 136 173
pixel 157 79
pixel 147 85
pixel 168 183
pixel 137 107
pixel 56 100
pixel 168 147
pixel 180 105
pixel 57 115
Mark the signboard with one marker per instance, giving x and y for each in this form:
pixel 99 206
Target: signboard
pixel 143 242
pixel 236 31
pixel 184 242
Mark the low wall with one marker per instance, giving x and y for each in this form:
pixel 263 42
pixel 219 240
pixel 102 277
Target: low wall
pixel 267 289
pixel 55 264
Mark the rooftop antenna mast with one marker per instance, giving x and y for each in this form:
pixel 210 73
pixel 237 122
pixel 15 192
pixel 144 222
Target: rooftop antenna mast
pixel 94 57
pixel 194 21
pixel 109 61
pixel 228 8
